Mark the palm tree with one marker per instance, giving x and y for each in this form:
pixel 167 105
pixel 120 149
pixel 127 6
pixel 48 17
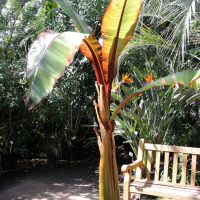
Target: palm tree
pixel 170 26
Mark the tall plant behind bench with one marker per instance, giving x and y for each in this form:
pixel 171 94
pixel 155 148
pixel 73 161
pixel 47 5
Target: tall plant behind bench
pixel 52 52
pixel 149 115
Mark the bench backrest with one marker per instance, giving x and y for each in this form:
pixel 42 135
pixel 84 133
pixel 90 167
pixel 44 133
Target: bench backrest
pixel 167 149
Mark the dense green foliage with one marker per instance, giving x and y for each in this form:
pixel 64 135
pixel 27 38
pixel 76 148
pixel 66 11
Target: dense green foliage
pixel 73 93
pixel 166 41
pixel 163 43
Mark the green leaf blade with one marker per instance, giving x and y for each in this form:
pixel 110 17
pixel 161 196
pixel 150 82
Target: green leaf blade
pixel 183 78
pixel 48 58
pixel 81 24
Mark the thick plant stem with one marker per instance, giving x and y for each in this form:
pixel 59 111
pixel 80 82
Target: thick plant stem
pixel 108 173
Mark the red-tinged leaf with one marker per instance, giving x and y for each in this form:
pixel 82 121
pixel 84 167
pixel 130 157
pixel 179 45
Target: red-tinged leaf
pixel 48 57
pixel 117 28
pixel 92 50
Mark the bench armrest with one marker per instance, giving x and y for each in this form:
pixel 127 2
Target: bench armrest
pixel 135 164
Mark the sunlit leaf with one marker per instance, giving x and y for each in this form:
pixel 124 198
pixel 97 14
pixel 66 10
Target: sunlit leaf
pixel 92 50
pixel 48 57
pixel 117 28
pixel 143 36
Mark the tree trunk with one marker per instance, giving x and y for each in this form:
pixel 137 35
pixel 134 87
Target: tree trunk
pixel 5 55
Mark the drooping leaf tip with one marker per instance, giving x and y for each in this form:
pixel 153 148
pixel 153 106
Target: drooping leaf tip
pixel 28 103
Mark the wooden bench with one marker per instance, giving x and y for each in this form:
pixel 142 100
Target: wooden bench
pixel 156 187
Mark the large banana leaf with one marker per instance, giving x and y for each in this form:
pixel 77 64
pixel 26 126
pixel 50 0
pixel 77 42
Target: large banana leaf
pixel 48 58
pixel 81 25
pixel 187 78
pixel 117 28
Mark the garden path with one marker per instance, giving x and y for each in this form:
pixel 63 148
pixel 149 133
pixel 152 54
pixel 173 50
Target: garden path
pixel 32 179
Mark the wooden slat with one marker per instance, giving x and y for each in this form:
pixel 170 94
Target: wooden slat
pixel 165 191
pixel 140 157
pixel 168 190
pixel 193 170
pixel 166 167
pixel 175 164
pixel 149 164
pixel 184 168
pixel 176 149
pixel 157 167
pixel 169 184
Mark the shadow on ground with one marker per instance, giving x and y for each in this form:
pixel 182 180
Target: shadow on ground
pixel 61 183
pixel 34 180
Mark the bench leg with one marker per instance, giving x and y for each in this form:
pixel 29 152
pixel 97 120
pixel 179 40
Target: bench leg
pixel 127 194
pixel 127 180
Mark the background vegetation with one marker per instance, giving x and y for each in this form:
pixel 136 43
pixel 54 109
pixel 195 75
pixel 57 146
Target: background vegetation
pixel 164 42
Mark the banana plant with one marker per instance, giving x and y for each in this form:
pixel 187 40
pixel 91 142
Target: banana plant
pixel 52 52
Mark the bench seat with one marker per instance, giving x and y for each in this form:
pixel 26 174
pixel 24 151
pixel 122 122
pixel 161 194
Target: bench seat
pixel 170 190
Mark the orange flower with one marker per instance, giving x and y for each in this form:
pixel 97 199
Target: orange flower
pixel 125 78
pixel 172 86
pixel 139 95
pixel 148 78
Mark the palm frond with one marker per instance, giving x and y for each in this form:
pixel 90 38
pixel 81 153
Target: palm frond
pixel 177 16
pixel 143 36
